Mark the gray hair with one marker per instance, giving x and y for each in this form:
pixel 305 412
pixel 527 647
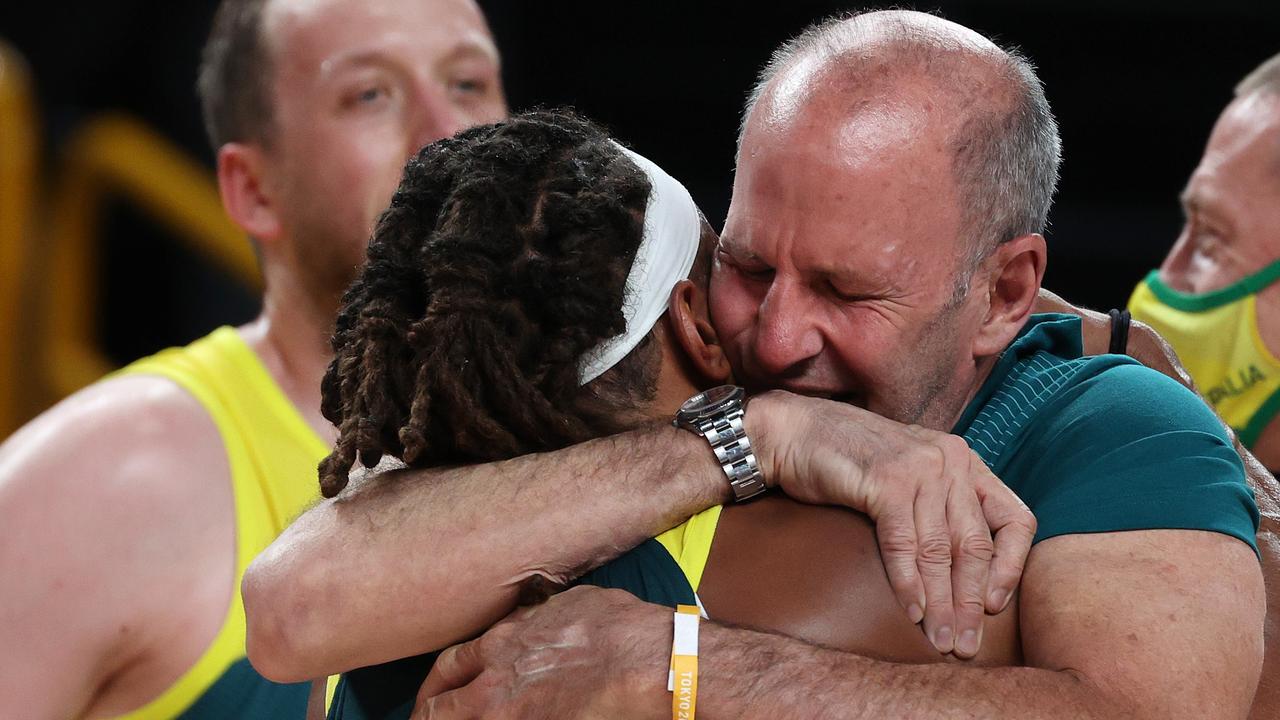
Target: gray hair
pixel 1265 78
pixel 1006 154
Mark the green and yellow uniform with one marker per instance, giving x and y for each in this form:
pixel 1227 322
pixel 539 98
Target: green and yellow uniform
pixel 1216 337
pixel 272 454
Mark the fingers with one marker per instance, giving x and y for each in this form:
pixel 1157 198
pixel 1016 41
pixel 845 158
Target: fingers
pixel 896 535
pixel 455 667
pixel 1014 527
pixel 933 561
pixel 464 703
pixel 971 551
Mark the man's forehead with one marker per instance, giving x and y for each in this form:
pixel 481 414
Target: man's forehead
pixel 1248 123
pixel 885 140
pixel 1243 153
pixel 323 34
pixel 810 104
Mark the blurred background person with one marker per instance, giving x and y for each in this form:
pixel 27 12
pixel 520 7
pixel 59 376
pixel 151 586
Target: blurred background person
pixel 133 507
pixel 1216 296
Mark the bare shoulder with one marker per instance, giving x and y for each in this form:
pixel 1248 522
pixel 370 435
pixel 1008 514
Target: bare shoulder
pixel 819 577
pixel 132 439
pixel 118 509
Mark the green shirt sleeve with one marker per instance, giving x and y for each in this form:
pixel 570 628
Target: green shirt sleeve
pixel 1131 449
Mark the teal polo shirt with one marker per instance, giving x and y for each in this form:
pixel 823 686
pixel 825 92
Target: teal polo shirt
pixel 1103 444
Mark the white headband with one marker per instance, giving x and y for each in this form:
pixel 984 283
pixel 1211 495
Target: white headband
pixel 672 227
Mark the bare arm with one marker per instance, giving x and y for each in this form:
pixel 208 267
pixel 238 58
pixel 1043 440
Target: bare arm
pixel 403 565
pixel 400 565
pixel 1111 629
pixel 111 505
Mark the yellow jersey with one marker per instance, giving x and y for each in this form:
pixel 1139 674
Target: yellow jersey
pixel 272 454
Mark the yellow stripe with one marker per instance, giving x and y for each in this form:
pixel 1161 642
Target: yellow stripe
pixel 225 649
pixel 330 686
pixel 272 454
pixel 690 543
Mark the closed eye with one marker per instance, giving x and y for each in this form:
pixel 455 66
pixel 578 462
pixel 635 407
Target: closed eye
pixel 848 298
pixel 751 270
pixel 763 274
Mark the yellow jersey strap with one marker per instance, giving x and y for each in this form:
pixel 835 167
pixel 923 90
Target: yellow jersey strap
pixel 272 454
pixel 690 543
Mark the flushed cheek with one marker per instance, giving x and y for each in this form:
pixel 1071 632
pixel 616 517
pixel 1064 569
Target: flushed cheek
pixel 732 311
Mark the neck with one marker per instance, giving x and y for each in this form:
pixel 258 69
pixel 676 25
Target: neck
pixel 945 413
pixel 291 337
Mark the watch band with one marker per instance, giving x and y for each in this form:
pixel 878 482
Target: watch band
pixel 728 439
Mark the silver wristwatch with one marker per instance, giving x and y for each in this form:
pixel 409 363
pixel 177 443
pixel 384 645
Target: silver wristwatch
pixel 716 415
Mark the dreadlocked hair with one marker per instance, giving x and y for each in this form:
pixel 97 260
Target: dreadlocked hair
pixel 501 261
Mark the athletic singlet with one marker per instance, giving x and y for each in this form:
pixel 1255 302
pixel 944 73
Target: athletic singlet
pixel 272 454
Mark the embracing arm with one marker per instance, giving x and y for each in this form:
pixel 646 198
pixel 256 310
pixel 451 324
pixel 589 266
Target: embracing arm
pixel 1111 628
pixel 409 561
pixel 403 564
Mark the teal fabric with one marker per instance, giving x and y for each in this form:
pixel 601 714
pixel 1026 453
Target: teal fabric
pixel 1103 444
pixel 244 694
pixel 388 691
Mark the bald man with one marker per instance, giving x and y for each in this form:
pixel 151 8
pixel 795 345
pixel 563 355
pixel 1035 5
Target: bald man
pixel 883 251
pixel 132 508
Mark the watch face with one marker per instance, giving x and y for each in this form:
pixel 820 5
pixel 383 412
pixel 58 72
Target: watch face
pixel 711 400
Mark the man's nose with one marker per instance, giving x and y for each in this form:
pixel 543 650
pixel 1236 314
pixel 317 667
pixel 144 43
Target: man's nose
pixel 786 332
pixel 436 116
pixel 1175 269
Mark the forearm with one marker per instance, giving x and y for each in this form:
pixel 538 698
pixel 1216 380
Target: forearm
pixel 403 564
pixel 746 674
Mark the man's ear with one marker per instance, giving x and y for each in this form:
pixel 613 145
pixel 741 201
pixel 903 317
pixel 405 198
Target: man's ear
pixel 693 334
pixel 244 193
pixel 1016 269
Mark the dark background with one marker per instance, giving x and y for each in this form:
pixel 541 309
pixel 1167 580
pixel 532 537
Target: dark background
pixel 1136 87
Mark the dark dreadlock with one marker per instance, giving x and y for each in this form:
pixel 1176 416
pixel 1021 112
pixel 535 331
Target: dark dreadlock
pixel 502 259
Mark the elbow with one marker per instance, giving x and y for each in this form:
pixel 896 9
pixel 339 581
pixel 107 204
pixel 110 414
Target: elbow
pixel 282 633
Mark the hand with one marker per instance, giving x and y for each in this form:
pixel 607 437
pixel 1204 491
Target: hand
pixel 585 653
pixel 953 538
